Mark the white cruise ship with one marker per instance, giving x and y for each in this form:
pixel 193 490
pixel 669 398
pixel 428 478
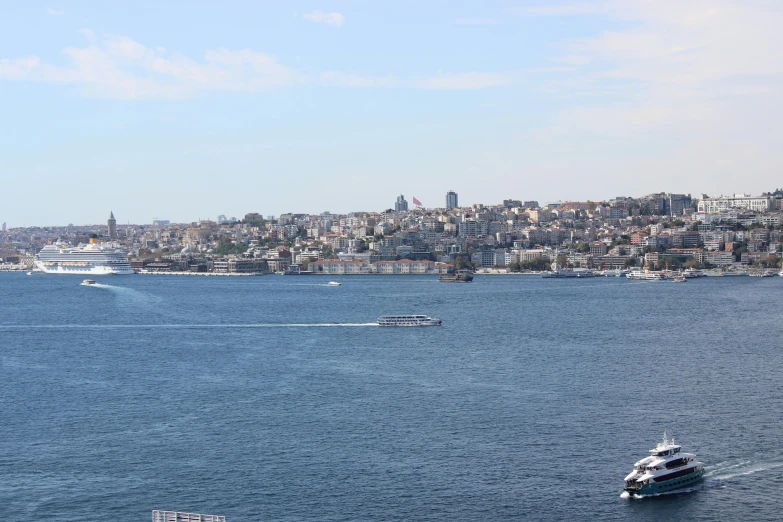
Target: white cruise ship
pixel 92 259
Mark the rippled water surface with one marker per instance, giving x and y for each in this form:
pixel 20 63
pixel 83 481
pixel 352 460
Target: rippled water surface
pixel 276 398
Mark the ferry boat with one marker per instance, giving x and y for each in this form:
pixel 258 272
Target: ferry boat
pixel 408 320
pixel 645 275
pixel 569 272
pixel 692 273
pixel 667 468
pixel 92 259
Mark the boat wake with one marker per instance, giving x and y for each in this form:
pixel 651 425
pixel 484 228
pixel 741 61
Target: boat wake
pixel 726 470
pixel 184 326
pixel 715 476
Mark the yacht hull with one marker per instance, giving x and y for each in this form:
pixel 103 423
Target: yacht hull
pixel 83 270
pixel 657 488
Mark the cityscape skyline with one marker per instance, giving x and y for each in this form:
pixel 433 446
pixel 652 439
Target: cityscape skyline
pixel 153 110
pixel 401 204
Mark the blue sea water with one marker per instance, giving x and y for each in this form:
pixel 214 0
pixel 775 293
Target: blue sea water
pixel 276 398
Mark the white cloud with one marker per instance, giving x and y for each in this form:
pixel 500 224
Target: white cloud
pixel 121 68
pixel 335 19
pixel 340 79
pixel 54 12
pixel 465 81
pixel 579 8
pixel 668 87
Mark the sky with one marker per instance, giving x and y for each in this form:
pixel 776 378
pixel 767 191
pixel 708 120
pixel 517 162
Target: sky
pixel 184 110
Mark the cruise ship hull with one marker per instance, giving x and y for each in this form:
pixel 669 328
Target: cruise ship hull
pixel 83 270
pixel 657 488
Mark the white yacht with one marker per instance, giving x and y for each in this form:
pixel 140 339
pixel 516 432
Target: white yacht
pixel 666 468
pixel 408 320
pixel 645 275
pixel 92 259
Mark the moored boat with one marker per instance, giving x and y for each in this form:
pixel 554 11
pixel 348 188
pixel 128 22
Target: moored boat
pixel 666 469
pixel 90 259
pixel 460 276
pixel 645 275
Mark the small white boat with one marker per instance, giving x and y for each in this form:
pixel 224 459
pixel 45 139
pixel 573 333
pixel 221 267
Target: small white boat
pixel 333 283
pixel 29 273
pixel 680 279
pixel 88 282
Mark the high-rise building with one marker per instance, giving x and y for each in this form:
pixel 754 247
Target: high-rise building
pixel 401 205
pixel 678 203
pixel 451 200
pixel 3 226
pixel 112 225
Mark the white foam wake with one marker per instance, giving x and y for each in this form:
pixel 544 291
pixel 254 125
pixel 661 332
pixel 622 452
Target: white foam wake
pixel 184 326
pixel 722 472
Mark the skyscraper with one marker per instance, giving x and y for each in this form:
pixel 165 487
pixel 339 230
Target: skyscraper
pixel 401 205
pixel 112 226
pixel 451 200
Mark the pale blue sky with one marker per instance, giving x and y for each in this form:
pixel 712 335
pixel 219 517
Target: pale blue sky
pixel 187 110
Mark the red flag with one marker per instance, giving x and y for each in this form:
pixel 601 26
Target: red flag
pixel 416 201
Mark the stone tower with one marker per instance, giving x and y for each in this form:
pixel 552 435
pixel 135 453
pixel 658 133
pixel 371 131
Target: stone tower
pixel 112 226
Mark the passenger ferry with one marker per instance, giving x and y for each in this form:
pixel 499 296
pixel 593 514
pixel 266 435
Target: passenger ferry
pixel 667 468
pixel 408 320
pixel 692 273
pixel 569 272
pixel 645 275
pixel 92 259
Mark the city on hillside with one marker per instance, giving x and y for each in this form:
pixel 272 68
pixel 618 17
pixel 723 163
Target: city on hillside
pixel 657 231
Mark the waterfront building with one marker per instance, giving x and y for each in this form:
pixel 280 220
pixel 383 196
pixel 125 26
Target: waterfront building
pixel 400 205
pixel 112 225
pixel 403 266
pixel 332 266
pixel 451 200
